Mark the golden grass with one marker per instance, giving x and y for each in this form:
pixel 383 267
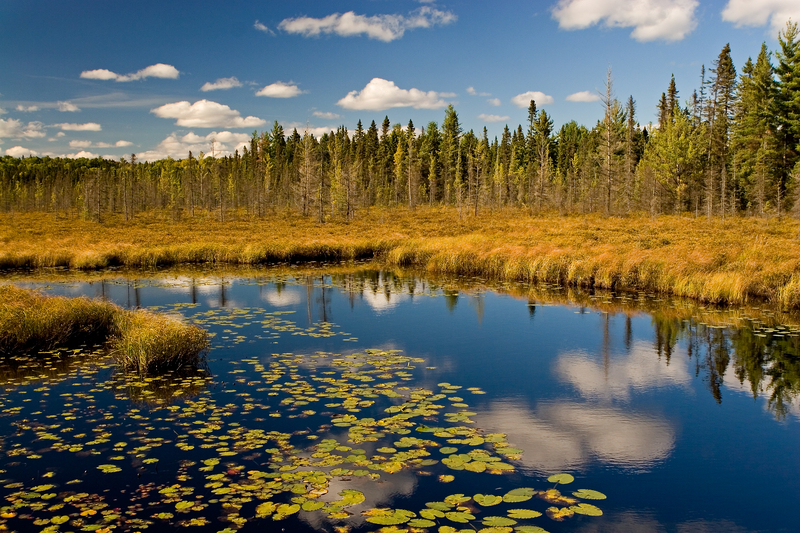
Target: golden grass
pixel 731 262
pixel 149 342
pixel 139 340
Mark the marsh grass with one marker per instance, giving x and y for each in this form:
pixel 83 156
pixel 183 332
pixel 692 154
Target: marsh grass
pixel 148 342
pixel 731 262
pixel 140 340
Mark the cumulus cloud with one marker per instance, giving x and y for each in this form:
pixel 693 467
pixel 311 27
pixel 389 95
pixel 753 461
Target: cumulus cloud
pixel 19 151
pixel 221 83
pixel 326 115
pixel 381 94
pixel 494 102
pixel 87 144
pixel 492 118
pixel 668 20
pixel 28 108
pixel 67 107
pixel 583 96
pixel 206 114
pixel 178 147
pixel 473 92
pixel 280 90
pixel 2 111
pixel 89 126
pixel 381 27
pixel 524 100
pixel 82 153
pixel 159 70
pixel 261 27
pixel 759 12
pixel 316 131
pixel 17 130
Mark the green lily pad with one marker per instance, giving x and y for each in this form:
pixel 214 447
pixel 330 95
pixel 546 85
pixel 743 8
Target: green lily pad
pixel 487 500
pixel 521 494
pixel 586 509
pixel 562 479
pixel 498 521
pixel 523 513
pixel 587 494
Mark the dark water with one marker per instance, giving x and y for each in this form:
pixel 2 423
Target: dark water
pixel 686 422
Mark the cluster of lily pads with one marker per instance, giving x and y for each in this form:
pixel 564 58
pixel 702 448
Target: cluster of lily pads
pixel 275 437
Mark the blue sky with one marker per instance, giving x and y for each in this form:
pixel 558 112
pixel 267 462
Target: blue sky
pixel 115 78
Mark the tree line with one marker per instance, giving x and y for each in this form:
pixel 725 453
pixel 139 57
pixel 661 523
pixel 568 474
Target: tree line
pixel 730 149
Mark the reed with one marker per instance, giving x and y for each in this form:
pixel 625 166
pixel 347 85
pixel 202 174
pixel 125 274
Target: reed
pixel 735 261
pixel 140 340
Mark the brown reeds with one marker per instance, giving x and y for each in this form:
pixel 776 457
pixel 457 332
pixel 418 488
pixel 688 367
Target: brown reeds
pixel 140 340
pixel 731 262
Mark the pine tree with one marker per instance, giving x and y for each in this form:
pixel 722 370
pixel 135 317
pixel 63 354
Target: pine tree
pixel 788 101
pixel 723 94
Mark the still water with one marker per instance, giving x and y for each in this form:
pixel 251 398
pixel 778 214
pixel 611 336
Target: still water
pixel 327 395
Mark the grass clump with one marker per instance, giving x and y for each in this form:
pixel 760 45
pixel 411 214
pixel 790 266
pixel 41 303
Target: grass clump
pixel 30 321
pixel 140 340
pixel 148 342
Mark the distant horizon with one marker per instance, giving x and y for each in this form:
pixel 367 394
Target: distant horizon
pixel 159 80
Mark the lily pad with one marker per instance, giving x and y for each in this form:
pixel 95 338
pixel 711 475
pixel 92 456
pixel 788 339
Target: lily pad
pixel 562 479
pixel 587 494
pixel 586 509
pixel 487 500
pixel 523 514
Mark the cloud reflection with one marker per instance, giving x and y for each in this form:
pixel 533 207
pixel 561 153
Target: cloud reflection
pixel 640 370
pixel 567 435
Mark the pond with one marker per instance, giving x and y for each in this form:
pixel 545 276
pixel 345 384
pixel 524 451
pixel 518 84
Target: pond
pixel 355 400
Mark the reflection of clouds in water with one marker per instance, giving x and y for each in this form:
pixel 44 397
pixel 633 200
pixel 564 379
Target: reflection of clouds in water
pixel 382 301
pixel 565 436
pixel 731 382
pixel 641 369
pixel 283 298
pixel 633 522
pixel 202 285
pixel 377 494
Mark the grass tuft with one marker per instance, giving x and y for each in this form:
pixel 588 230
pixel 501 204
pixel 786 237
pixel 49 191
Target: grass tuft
pixel 148 342
pixel 140 340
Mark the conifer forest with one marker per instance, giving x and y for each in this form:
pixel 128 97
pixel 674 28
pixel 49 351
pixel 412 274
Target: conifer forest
pixel 727 148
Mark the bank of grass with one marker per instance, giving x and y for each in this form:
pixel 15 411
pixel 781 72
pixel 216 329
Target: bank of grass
pixel 140 340
pixel 725 262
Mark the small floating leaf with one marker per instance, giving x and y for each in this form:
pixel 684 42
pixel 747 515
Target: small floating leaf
pixel 587 509
pixel 498 521
pixel 559 515
pixel 587 494
pixel 523 513
pixel 563 479
pixel 519 495
pixel 487 500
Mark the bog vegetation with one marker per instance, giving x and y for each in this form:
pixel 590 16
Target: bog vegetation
pixel 140 340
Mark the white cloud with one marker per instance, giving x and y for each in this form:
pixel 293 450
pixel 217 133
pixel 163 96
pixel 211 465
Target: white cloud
pixel 473 92
pixel 67 107
pixel 492 118
pixel 381 94
pixel 261 27
pixel 583 96
pixel 2 111
pixel 159 70
pixel 89 126
pixel 669 20
pixel 27 109
pixel 205 114
pixel 382 27
pixel 60 134
pixel 19 151
pixel 524 100
pixel 80 144
pixel 326 115
pixel 121 144
pixel 316 131
pixel 221 83
pixel 280 90
pixel 82 153
pixel 225 143
pixel 758 12
pixel 16 130
pixel 495 102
